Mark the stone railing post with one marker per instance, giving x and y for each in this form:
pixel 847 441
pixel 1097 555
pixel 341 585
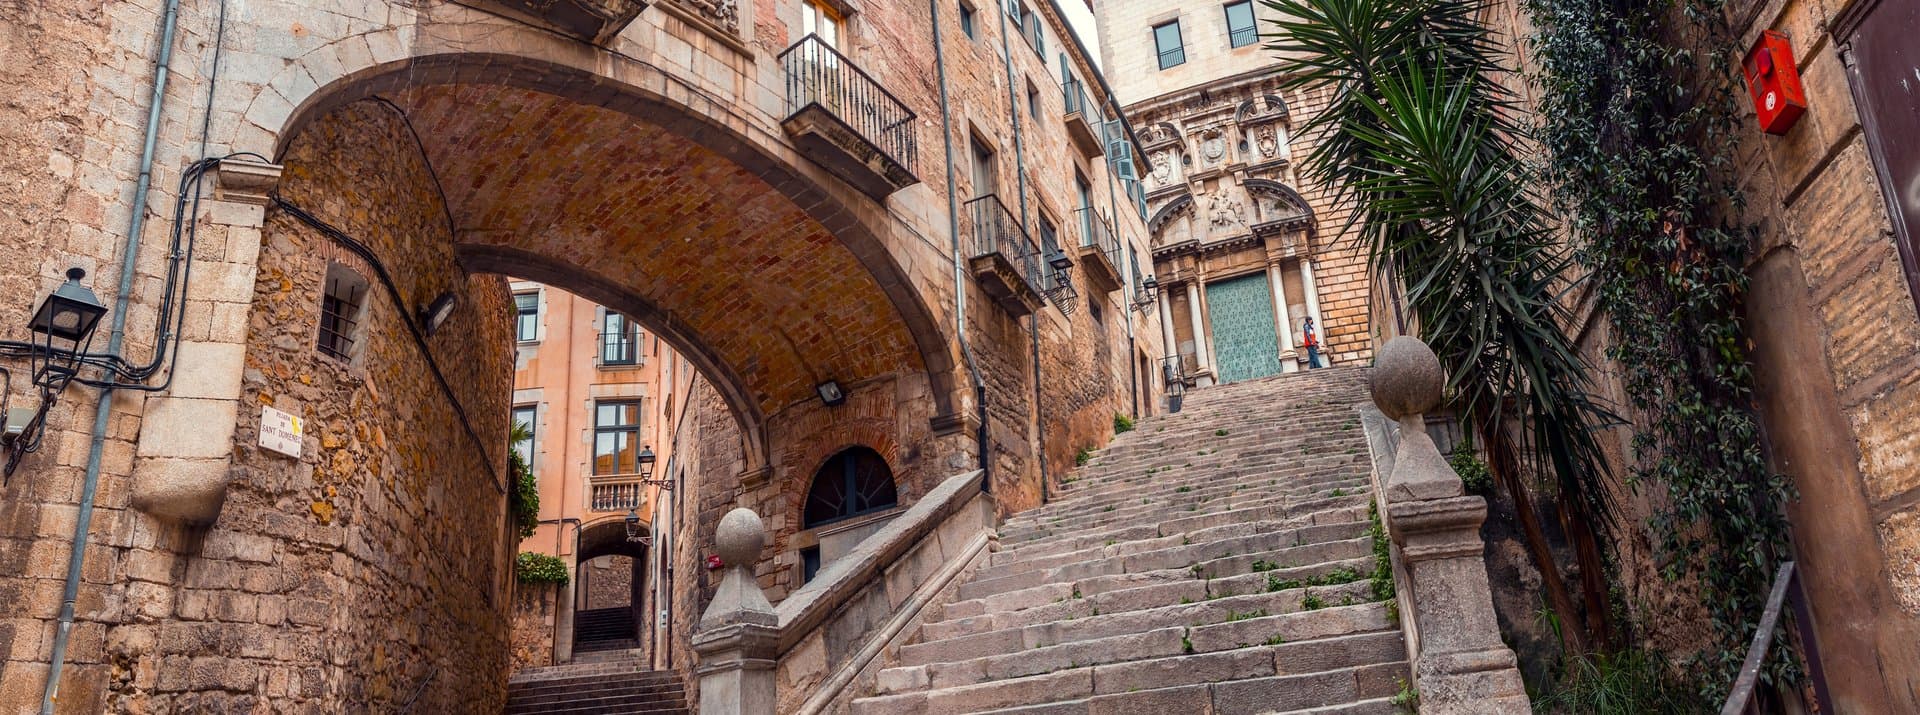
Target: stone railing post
pixel 739 634
pixel 1460 664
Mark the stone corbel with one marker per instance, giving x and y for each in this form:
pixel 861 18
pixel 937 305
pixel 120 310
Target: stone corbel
pixel 186 443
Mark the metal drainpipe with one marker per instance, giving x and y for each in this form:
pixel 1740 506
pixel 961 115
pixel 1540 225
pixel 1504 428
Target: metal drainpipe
pixel 959 275
pixel 103 409
pixel 1033 321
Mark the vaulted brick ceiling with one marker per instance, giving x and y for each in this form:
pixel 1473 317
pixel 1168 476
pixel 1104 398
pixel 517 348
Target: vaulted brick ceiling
pixel 616 200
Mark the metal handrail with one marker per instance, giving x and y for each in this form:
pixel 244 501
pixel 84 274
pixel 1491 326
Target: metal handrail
pixel 625 347
pixel 1786 585
pixel 819 75
pixel 994 230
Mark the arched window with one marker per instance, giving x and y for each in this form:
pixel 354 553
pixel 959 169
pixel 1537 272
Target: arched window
pixel 855 481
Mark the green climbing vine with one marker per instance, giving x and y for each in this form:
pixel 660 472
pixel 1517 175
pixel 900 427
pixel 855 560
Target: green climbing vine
pixel 524 500
pixel 1638 113
pixel 532 567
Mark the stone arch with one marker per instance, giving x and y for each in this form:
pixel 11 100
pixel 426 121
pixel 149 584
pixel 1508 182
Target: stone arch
pixel 1268 193
pixel 452 44
pixel 1180 207
pixel 832 212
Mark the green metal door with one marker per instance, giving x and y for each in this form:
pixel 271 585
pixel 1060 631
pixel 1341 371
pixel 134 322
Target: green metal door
pixel 1245 346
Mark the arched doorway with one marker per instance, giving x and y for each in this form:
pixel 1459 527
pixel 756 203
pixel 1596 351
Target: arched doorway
pixel 610 605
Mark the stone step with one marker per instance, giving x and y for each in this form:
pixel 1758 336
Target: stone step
pixel 1199 518
pixel 587 677
pixel 1171 501
pixel 1117 560
pixel 647 693
pixel 1097 629
pixel 1075 690
pixel 1222 568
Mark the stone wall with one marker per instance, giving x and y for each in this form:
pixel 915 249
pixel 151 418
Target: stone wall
pixel 535 611
pixel 608 581
pixel 1837 335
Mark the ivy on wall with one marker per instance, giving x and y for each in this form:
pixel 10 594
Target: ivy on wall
pixel 1639 114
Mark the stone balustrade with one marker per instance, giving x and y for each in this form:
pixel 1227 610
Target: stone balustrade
pixel 1460 665
pixel 802 656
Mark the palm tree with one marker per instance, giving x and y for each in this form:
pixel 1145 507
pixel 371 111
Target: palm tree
pixel 1420 141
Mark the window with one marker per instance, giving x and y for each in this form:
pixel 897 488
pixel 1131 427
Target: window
pixel 340 305
pixel 853 482
pixel 1049 236
pixel 1028 23
pixel 526 316
pixel 1033 102
pixel 966 21
pixel 818 19
pixel 619 340
pixel 1166 41
pixel 524 417
pixel 1240 32
pixel 616 437
pixel 984 181
pixel 1083 193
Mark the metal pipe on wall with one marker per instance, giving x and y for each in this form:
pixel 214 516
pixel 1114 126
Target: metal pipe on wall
pixel 103 408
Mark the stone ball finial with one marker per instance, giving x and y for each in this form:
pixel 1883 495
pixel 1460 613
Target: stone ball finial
pixel 740 537
pixel 1406 378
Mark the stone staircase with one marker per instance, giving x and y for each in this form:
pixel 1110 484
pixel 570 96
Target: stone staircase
pixel 1211 561
pixel 603 682
pixel 601 629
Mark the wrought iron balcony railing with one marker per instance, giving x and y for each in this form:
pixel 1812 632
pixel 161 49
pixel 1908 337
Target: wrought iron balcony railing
pixel 844 119
pixel 1006 261
pixel 1083 119
pixel 1100 251
pixel 619 349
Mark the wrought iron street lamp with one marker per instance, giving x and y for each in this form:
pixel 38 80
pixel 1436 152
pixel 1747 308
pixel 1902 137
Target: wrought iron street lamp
pixel 65 321
pixel 63 327
pixel 634 533
pixel 647 460
pixel 1147 294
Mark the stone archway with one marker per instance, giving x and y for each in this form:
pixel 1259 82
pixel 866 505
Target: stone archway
pixel 818 278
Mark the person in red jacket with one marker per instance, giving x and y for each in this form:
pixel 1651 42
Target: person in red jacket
pixel 1313 345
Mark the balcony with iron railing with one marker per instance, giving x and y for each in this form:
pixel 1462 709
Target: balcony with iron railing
pixel 621 349
pixel 844 120
pixel 1004 259
pixel 1083 119
pixel 1100 252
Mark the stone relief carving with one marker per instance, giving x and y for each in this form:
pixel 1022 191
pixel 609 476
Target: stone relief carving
pixel 1163 168
pixel 1224 213
pixel 1213 146
pixel 723 13
pixel 1268 145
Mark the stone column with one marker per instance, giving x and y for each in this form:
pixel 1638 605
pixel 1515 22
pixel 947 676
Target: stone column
pixel 1282 323
pixel 1166 326
pixel 1201 354
pixel 738 635
pixel 186 438
pixel 1460 664
pixel 1313 308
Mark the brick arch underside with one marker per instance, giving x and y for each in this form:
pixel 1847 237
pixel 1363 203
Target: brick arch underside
pixel 751 269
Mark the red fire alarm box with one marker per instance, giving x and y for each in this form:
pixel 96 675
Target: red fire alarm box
pixel 1775 83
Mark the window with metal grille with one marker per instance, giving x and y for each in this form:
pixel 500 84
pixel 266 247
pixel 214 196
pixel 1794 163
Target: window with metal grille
pixel 853 482
pixel 616 437
pixel 1167 43
pixel 341 301
pixel 526 316
pixel 1240 32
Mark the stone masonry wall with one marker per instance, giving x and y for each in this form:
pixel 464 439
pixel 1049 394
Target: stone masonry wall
pixel 534 618
pixel 383 540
